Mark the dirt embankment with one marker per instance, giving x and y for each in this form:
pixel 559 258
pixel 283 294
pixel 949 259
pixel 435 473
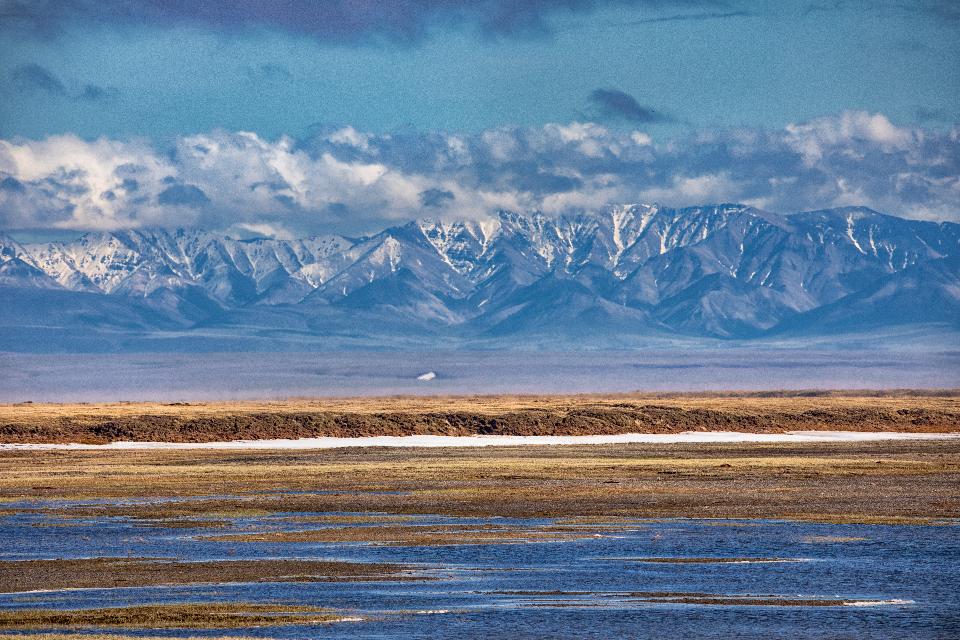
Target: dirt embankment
pixel 543 416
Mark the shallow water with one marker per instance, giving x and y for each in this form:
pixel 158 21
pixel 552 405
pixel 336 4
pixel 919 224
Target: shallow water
pixel 905 579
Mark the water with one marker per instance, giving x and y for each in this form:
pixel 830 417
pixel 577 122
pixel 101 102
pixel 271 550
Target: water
pixel 907 576
pixel 211 376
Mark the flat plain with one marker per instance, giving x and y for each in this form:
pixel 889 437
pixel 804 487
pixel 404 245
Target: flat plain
pixel 300 532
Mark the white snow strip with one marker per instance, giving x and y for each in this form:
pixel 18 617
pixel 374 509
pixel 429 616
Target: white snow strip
pixel 506 441
pixel 850 235
pixel 877 603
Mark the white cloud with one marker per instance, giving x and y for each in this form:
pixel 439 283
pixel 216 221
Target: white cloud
pixel 813 139
pixel 351 137
pixel 355 180
pixel 685 191
pixel 641 138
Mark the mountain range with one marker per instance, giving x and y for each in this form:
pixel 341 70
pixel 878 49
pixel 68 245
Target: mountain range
pixel 619 276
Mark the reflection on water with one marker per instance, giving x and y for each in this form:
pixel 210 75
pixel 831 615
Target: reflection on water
pixel 658 579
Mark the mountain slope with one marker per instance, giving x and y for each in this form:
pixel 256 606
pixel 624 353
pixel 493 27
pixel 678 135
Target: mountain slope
pixel 925 293
pixel 623 272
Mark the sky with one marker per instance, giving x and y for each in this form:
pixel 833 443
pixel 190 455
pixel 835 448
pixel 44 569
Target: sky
pixel 294 117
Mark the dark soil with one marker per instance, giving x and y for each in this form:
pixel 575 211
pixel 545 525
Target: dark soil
pixel 584 420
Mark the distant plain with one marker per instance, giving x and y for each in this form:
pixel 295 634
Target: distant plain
pixel 861 362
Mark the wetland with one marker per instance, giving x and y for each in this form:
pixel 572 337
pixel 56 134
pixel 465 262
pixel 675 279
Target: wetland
pixel 755 540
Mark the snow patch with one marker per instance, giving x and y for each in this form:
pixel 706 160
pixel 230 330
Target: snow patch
pixel 877 603
pixel 505 441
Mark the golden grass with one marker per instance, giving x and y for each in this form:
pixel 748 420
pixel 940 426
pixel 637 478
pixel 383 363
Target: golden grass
pixel 461 415
pixel 742 402
pixel 18 576
pixel 883 482
pixel 419 535
pixel 168 616
pixel 831 539
pixel 378 518
pixel 110 636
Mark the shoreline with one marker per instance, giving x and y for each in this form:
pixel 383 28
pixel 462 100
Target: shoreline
pixel 438 441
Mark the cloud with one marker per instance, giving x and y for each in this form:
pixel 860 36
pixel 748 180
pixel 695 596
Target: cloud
pixel 95 93
pixel 331 21
pixel 352 181
pixel 699 189
pixel 436 197
pixel 813 138
pixel 33 78
pixel 692 17
pixel 183 194
pixel 615 104
pixel 268 71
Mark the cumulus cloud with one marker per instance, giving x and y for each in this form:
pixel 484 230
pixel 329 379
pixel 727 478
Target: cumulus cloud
pixel 348 180
pixel 813 138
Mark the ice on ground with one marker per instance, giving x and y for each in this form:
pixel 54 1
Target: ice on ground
pixel 878 603
pixel 509 441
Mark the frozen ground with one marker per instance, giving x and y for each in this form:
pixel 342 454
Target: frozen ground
pixel 508 441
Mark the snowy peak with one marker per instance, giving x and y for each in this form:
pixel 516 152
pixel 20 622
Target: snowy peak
pixel 720 270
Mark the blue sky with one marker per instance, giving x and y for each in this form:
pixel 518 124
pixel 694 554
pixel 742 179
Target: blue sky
pixel 151 74
pixel 703 65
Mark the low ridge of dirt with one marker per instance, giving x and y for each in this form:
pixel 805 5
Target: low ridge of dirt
pixel 573 415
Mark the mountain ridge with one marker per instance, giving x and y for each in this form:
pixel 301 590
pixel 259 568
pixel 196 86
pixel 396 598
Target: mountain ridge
pixel 724 271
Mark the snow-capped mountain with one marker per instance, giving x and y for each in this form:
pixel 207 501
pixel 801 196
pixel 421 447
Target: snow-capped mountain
pixel 722 271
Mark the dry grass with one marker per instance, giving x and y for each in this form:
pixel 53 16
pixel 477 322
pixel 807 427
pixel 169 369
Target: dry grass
pixel 419 535
pixel 450 415
pixel 894 481
pixel 109 636
pixel 168 616
pixel 18 576
pixel 831 539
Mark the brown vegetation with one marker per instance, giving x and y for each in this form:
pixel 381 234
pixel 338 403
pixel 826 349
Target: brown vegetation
pixel 504 415
pixel 883 481
pixel 418 535
pixel 106 636
pixel 17 576
pixel 167 616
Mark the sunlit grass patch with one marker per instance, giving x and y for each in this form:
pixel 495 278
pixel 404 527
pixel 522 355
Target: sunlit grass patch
pixel 418 535
pixel 17 576
pixel 169 616
pixel 831 539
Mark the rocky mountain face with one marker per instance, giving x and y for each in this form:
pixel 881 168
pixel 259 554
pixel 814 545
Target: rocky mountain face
pixel 719 271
